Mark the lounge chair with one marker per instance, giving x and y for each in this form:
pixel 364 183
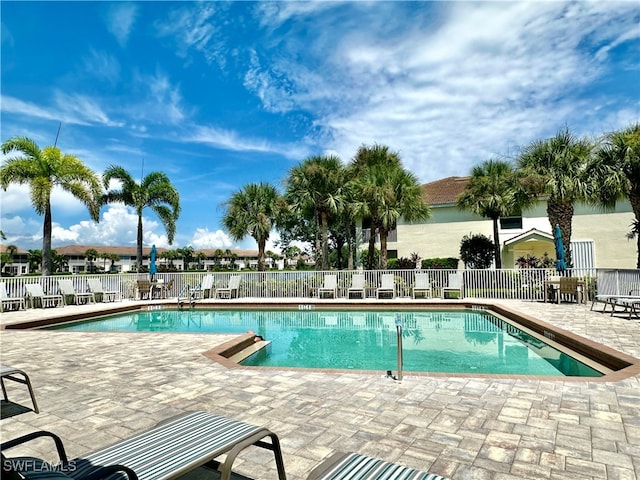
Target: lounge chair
pixel 387 285
pixel 167 451
pixel 19 376
pixel 68 291
pixel 9 303
pixel 629 304
pixel 231 290
pixel 454 285
pixel 330 286
pixel 99 293
pixel 422 285
pixel 204 289
pixel 353 466
pixel 357 285
pixel 35 295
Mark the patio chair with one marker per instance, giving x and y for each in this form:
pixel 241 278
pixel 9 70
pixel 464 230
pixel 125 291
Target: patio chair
pixel 99 293
pixel 144 289
pixel 387 285
pixel 330 286
pixel 35 295
pixel 357 286
pixel 231 290
pixel 9 303
pixel 629 304
pixel 422 285
pixel 167 451
pixel 16 375
pixel 569 287
pixel 68 291
pixel 454 285
pixel 354 466
pixel 204 289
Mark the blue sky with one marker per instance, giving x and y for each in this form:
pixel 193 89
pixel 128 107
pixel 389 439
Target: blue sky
pixel 221 94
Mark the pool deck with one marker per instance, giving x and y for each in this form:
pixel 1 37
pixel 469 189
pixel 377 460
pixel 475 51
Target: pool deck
pixel 95 389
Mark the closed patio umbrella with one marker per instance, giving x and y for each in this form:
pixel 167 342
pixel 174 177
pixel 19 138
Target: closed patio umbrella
pixel 561 266
pixel 152 262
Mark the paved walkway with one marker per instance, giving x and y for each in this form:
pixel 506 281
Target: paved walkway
pixel 94 389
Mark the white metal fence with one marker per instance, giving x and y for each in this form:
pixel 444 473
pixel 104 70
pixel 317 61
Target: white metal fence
pixel 508 284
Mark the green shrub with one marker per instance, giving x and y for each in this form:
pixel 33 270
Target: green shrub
pixel 441 263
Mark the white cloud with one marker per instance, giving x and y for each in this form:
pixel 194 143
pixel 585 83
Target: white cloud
pixel 460 82
pixel 120 19
pixel 203 238
pixel 102 65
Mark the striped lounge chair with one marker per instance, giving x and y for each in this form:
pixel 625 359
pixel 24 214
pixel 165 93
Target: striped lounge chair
pixel 168 450
pixel 353 466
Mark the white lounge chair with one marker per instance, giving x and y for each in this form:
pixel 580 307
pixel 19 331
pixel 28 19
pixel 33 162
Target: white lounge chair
pixel 357 285
pixel 100 294
pixel 387 285
pixel 422 285
pixel 67 290
pixel 204 289
pixel 9 303
pixel 35 294
pixel 231 290
pixel 330 286
pixel 454 285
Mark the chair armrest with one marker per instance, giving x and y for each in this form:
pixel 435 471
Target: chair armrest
pixel 32 436
pixel 105 472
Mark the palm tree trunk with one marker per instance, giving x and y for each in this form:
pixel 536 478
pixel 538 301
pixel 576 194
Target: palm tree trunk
pixel 139 241
pixel 561 213
pixel 496 244
pixel 262 243
pixel 46 241
pixel 324 219
pixel 383 248
pixel 372 248
pixel 634 199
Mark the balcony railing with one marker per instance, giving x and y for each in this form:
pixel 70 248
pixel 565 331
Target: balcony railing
pixel 504 284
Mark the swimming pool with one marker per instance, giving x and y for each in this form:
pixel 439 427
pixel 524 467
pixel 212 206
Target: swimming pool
pixel 451 341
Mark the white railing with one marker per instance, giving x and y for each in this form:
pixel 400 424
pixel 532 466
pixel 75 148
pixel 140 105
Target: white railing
pixel 507 284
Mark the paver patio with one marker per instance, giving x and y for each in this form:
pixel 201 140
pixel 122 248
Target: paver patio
pixel 95 389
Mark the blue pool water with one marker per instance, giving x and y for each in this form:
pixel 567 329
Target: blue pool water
pixel 465 341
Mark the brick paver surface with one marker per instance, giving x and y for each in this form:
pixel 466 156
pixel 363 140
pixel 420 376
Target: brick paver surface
pixel 97 388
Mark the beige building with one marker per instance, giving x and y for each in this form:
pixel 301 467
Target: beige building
pixel 598 238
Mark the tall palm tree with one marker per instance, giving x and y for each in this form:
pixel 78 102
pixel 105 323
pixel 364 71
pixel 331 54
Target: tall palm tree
pixel 316 186
pixel 557 167
pixel 386 193
pixel 253 210
pixel 615 172
pixel 494 191
pixel 367 159
pixel 155 191
pixel 42 170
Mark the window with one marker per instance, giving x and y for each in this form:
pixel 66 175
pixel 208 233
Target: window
pixel 511 223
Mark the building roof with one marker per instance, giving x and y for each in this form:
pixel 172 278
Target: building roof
pixel 444 191
pixel 533 234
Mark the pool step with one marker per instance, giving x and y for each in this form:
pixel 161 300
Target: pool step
pixel 249 350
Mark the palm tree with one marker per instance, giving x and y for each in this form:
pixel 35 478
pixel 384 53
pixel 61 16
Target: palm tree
pixel 494 191
pixel 254 211
pixel 365 159
pixel 557 168
pixel 615 173
pixel 386 193
pixel 155 191
pixel 34 257
pixel 91 255
pixel 316 186
pixel 42 170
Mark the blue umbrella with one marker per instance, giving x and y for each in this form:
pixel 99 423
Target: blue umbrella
pixel 561 266
pixel 152 262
